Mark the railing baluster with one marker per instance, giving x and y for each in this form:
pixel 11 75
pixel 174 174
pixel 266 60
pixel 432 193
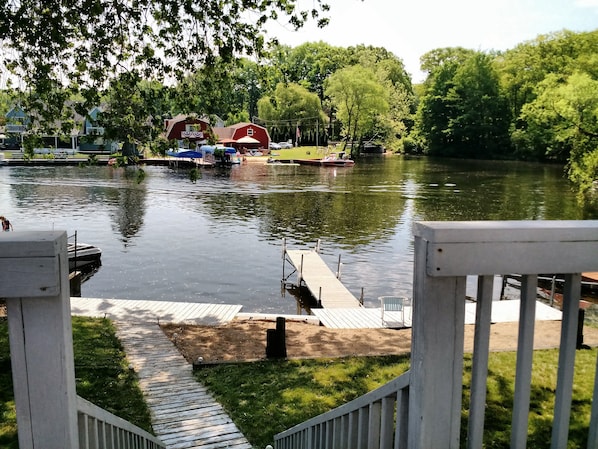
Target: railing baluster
pixel 337 432
pixel 99 429
pixel 329 437
pixel 593 431
pixel 479 371
pixel 525 350
pixel 387 429
pixel 93 441
pixel 374 425
pixel 362 432
pixel 402 419
pixel 428 399
pixel 564 390
pixel 353 427
pixel 83 430
pixel 344 431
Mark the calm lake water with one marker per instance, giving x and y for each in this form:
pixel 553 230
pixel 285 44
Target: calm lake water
pixel 219 239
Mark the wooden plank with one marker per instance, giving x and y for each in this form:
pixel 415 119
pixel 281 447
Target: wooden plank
pixel 361 318
pixel 154 311
pixel 320 281
pixel 523 373
pixel 184 414
pixel 502 247
pixel 29 277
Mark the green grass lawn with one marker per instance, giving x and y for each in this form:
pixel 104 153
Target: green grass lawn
pixel 101 372
pixel 266 398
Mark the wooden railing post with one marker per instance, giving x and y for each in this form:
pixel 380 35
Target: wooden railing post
pixel 436 356
pixel 34 282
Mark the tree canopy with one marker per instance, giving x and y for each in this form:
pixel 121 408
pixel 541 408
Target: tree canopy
pixel 358 98
pixel 291 106
pixel 81 44
pixel 149 61
pixel 536 102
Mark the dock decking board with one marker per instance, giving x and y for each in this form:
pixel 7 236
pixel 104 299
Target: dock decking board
pixel 184 414
pixel 369 318
pixel 362 318
pixel 316 274
pixel 154 311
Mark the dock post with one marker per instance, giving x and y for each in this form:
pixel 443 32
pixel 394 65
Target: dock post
pixel 361 297
pixel 318 246
pixel 320 297
pixel 276 346
pixel 300 275
pixel 284 247
pixel 338 269
pixel 284 252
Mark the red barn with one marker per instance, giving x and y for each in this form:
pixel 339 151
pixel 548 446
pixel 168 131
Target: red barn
pixel 243 135
pixel 192 128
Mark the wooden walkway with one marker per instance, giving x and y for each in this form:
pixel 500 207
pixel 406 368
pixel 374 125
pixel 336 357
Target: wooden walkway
pixel 320 281
pixel 360 318
pixel 155 311
pixel 184 414
pixel 369 318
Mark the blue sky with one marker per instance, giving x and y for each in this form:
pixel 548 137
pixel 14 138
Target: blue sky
pixel 411 28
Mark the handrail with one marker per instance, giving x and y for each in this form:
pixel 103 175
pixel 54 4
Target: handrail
pixel 99 428
pixel 429 415
pixel 369 420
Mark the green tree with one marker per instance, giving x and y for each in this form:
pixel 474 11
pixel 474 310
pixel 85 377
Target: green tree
pixel 526 65
pixel 311 64
pixel 127 117
pixel 84 43
pixel 229 90
pixel 392 127
pixel 359 99
pixel 435 109
pixel 563 119
pixel 462 112
pixel 289 107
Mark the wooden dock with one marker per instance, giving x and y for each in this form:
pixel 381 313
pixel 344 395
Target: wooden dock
pixel 322 283
pixel 184 413
pixel 155 311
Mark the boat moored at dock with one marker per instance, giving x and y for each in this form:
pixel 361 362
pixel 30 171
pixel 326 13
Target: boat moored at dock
pixel 331 160
pixel 83 256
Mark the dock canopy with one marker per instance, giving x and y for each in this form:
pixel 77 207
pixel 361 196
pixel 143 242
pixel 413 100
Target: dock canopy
pixel 186 154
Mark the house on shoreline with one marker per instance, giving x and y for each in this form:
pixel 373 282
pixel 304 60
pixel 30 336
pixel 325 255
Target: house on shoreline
pixel 188 130
pixel 243 136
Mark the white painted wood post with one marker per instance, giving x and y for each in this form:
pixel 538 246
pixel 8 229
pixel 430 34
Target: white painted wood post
pixel 445 253
pixel 436 356
pixel 34 281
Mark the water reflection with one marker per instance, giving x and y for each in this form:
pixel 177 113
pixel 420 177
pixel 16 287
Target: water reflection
pixel 218 239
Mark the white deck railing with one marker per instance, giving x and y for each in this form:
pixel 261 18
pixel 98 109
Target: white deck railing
pixel 445 254
pixel 369 421
pixel 34 282
pixel 99 429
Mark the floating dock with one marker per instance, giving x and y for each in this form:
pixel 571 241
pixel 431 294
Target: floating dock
pixel 321 282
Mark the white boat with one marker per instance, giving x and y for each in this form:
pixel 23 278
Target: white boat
pixel 83 256
pixel 332 160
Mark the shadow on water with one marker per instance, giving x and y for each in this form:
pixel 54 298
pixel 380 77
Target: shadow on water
pixel 305 301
